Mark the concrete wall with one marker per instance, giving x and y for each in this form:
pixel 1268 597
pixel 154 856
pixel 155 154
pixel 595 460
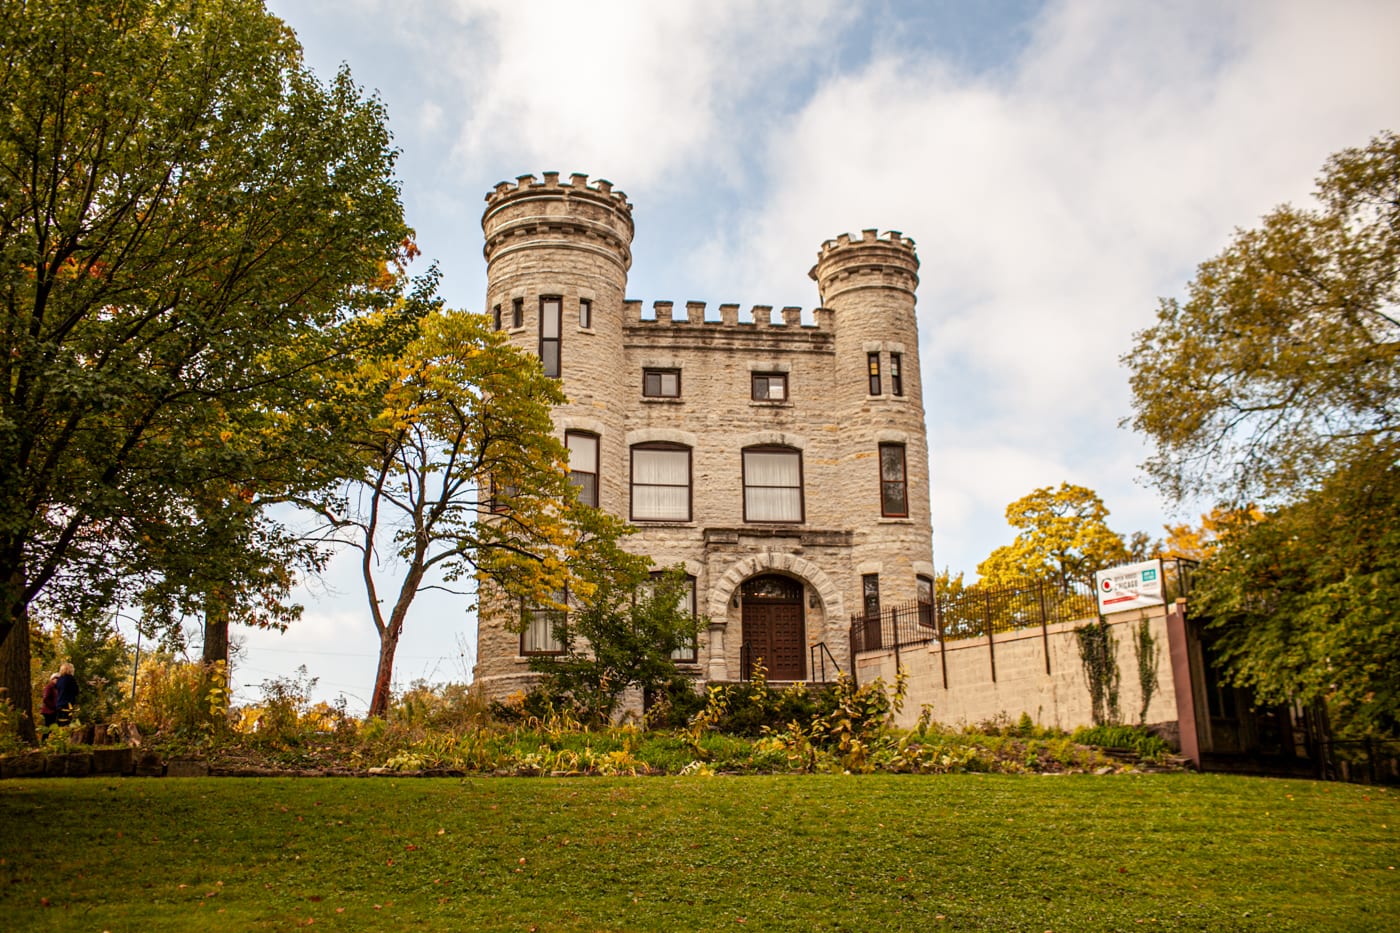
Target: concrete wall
pixel 1021 684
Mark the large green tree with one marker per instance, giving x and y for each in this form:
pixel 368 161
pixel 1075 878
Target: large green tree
pixel 1278 380
pixel 461 476
pixel 1305 603
pixel 1284 359
pixel 190 226
pixel 1064 536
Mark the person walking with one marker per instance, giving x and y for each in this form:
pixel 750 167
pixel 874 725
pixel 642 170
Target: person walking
pixel 49 709
pixel 67 700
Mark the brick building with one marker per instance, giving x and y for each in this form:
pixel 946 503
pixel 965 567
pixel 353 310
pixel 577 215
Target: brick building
pixel 783 462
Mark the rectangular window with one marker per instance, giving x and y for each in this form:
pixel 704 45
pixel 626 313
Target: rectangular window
pixel 772 485
pixel 517 313
pixel 870 595
pixel 661 383
pixel 496 317
pixel 872 361
pixel 585 313
pixel 660 483
pixel 894 487
pixel 686 653
pixel 770 387
pixel 583 465
pixel 544 631
pixel 549 335
pixel 896 374
pixel 923 590
pixel 501 495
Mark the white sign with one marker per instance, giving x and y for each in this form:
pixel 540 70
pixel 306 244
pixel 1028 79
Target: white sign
pixel 1132 586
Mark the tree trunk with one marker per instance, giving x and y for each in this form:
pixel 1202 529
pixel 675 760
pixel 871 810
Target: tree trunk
pixel 14 676
pixel 389 639
pixel 216 614
pixel 384 676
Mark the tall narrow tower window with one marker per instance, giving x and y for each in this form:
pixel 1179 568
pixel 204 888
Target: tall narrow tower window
pixel 496 317
pixel 517 313
pixel 772 485
pixel 896 373
pixel 894 486
pixel 583 465
pixel 585 313
pixel 870 595
pixel 872 361
pixel 549 334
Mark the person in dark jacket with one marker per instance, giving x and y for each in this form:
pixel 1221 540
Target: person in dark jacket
pixel 50 706
pixel 67 693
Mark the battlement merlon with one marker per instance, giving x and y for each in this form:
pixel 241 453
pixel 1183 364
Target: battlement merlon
pixel 601 191
pixel 789 316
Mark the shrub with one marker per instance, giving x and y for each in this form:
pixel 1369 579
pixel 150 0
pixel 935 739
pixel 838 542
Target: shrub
pixel 183 699
pixel 1137 739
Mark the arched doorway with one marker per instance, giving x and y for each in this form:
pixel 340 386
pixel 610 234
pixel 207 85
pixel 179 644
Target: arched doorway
pixel 773 627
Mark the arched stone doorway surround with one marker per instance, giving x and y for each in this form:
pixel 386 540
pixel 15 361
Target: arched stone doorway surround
pixel 721 667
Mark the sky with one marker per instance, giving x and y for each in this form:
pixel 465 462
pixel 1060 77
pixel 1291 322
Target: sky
pixel 1061 165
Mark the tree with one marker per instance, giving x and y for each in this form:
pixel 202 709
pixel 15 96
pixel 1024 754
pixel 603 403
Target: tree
pixel 1277 381
pixel 1198 543
pixel 190 227
pixel 1282 362
pixel 1063 537
pixel 625 633
pixel 460 475
pixel 1305 604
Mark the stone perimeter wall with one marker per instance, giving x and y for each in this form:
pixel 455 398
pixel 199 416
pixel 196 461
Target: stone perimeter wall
pixel 1059 699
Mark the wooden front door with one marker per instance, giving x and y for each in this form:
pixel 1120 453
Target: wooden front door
pixel 774 630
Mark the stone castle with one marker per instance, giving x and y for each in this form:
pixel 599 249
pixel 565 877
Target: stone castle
pixel 784 463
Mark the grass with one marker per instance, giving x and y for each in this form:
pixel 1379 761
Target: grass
pixel 830 852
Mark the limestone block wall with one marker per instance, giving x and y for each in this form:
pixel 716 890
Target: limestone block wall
pixel 1021 685
pixel 571 240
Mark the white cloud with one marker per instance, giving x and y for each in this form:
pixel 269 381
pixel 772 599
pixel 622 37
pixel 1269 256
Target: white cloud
pixel 1053 202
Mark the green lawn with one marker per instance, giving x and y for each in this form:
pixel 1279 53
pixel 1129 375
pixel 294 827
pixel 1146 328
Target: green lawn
pixel 957 852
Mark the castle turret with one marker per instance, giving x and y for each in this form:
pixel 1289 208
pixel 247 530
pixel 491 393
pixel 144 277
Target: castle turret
pixel 557 256
pixel 869 284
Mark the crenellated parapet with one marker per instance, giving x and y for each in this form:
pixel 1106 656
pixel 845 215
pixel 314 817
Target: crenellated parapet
pixel 530 213
pixel 873 260
pixel 695 314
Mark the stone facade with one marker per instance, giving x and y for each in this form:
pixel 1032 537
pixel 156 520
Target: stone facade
pixel 745 447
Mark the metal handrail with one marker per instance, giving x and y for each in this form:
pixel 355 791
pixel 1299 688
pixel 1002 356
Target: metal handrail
pixel 817 656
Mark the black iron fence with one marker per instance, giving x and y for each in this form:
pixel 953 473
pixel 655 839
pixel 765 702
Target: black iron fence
pixel 982 611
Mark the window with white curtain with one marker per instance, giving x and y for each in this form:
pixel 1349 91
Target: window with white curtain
pixel 772 484
pixel 542 631
pixel 685 653
pixel 583 464
pixel 660 483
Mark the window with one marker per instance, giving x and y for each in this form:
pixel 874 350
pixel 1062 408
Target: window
pixel 870 594
pixel 544 631
pixel 496 317
pixel 896 374
pixel 872 361
pixel 585 313
pixel 502 494
pixel 894 489
pixel 549 335
pixel 583 465
pixel 517 313
pixel 772 485
pixel 686 653
pixel 661 383
pixel 770 387
pixel 660 483
pixel 923 591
